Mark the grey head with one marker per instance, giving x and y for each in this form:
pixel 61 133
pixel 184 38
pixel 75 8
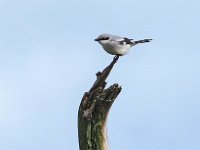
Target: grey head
pixel 103 37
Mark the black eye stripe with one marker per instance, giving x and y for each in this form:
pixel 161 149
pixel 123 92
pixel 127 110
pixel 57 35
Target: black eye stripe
pixel 104 38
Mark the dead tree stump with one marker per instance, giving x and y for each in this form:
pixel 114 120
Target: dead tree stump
pixel 93 112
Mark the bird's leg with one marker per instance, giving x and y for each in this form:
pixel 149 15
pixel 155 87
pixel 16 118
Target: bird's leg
pixel 116 58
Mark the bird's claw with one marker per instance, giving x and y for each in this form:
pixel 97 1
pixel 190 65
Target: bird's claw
pixel 116 58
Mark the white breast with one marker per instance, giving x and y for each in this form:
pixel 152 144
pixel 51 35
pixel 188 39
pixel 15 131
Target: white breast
pixel 115 48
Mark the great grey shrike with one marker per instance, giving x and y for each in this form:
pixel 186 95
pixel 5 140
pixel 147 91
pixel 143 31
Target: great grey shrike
pixel 116 45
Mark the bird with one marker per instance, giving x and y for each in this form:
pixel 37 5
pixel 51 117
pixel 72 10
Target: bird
pixel 117 45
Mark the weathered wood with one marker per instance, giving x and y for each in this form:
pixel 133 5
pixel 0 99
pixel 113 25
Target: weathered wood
pixel 93 112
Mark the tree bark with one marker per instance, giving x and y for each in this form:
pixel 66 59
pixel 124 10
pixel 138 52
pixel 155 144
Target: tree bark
pixel 93 112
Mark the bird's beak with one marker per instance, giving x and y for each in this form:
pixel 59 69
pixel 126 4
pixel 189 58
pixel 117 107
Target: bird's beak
pixel 96 39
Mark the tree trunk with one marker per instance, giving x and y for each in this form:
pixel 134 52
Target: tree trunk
pixel 93 112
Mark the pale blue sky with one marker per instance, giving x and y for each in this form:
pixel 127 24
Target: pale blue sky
pixel 48 59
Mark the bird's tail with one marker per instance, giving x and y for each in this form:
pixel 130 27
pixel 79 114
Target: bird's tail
pixel 143 41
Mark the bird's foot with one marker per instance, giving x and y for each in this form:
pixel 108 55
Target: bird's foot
pixel 116 58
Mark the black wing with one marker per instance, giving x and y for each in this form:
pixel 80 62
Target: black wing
pixel 126 41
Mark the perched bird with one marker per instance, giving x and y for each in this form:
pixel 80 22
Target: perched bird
pixel 116 45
